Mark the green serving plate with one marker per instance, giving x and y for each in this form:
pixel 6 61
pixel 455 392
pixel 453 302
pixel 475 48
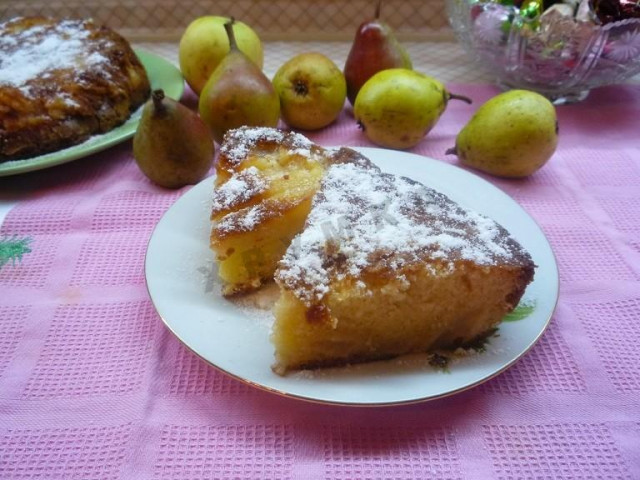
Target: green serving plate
pixel 162 74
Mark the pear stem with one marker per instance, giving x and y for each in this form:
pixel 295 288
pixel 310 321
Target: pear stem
pixel 158 96
pixel 451 151
pixel 228 26
pixel 378 7
pixel 453 96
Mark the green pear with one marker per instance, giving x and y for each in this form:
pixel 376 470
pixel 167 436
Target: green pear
pixel 238 93
pixel 512 135
pixel 172 145
pixel 397 107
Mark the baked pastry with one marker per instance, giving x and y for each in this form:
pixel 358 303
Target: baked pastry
pixel 369 265
pixel 62 81
pixel 386 266
pixel 266 179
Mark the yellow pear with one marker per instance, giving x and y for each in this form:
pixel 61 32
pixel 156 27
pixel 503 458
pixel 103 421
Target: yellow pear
pixel 397 107
pixel 312 90
pixel 205 43
pixel 512 135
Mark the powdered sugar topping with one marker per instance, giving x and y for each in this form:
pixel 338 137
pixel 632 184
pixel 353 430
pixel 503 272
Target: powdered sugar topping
pixel 240 141
pixel 40 49
pixel 244 220
pixel 239 189
pixel 364 220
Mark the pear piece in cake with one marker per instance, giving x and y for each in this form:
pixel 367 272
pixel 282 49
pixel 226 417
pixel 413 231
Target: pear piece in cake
pixel 265 181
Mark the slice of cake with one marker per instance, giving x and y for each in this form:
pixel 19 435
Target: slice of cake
pixel 265 181
pixel 386 266
pixel 370 265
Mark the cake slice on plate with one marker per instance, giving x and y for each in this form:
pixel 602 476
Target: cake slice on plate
pixel 265 181
pixel 369 265
pixel 386 266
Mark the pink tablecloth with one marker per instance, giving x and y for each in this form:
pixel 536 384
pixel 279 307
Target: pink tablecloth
pixel 93 386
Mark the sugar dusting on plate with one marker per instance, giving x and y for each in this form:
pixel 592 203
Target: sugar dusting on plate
pixel 258 305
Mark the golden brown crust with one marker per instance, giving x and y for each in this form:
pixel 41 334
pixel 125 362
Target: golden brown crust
pixel 242 143
pixel 527 271
pixel 94 87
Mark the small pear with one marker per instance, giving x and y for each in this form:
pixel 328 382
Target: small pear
pixel 237 94
pixel 512 135
pixel 397 107
pixel 172 146
pixel 374 48
pixel 312 91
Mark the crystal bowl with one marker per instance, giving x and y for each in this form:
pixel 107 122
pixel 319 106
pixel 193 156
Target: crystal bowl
pixel 552 54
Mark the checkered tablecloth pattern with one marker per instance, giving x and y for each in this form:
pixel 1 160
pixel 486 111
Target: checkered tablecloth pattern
pixel 93 386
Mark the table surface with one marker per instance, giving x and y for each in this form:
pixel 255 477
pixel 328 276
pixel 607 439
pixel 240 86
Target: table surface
pixel 93 386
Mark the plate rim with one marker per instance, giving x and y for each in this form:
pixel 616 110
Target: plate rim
pixel 374 404
pixel 82 150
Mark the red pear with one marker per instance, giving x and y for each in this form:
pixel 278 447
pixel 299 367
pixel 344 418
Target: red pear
pixel 374 48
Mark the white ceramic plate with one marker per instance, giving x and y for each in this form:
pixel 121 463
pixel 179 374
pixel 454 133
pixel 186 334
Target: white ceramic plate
pixel 183 286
